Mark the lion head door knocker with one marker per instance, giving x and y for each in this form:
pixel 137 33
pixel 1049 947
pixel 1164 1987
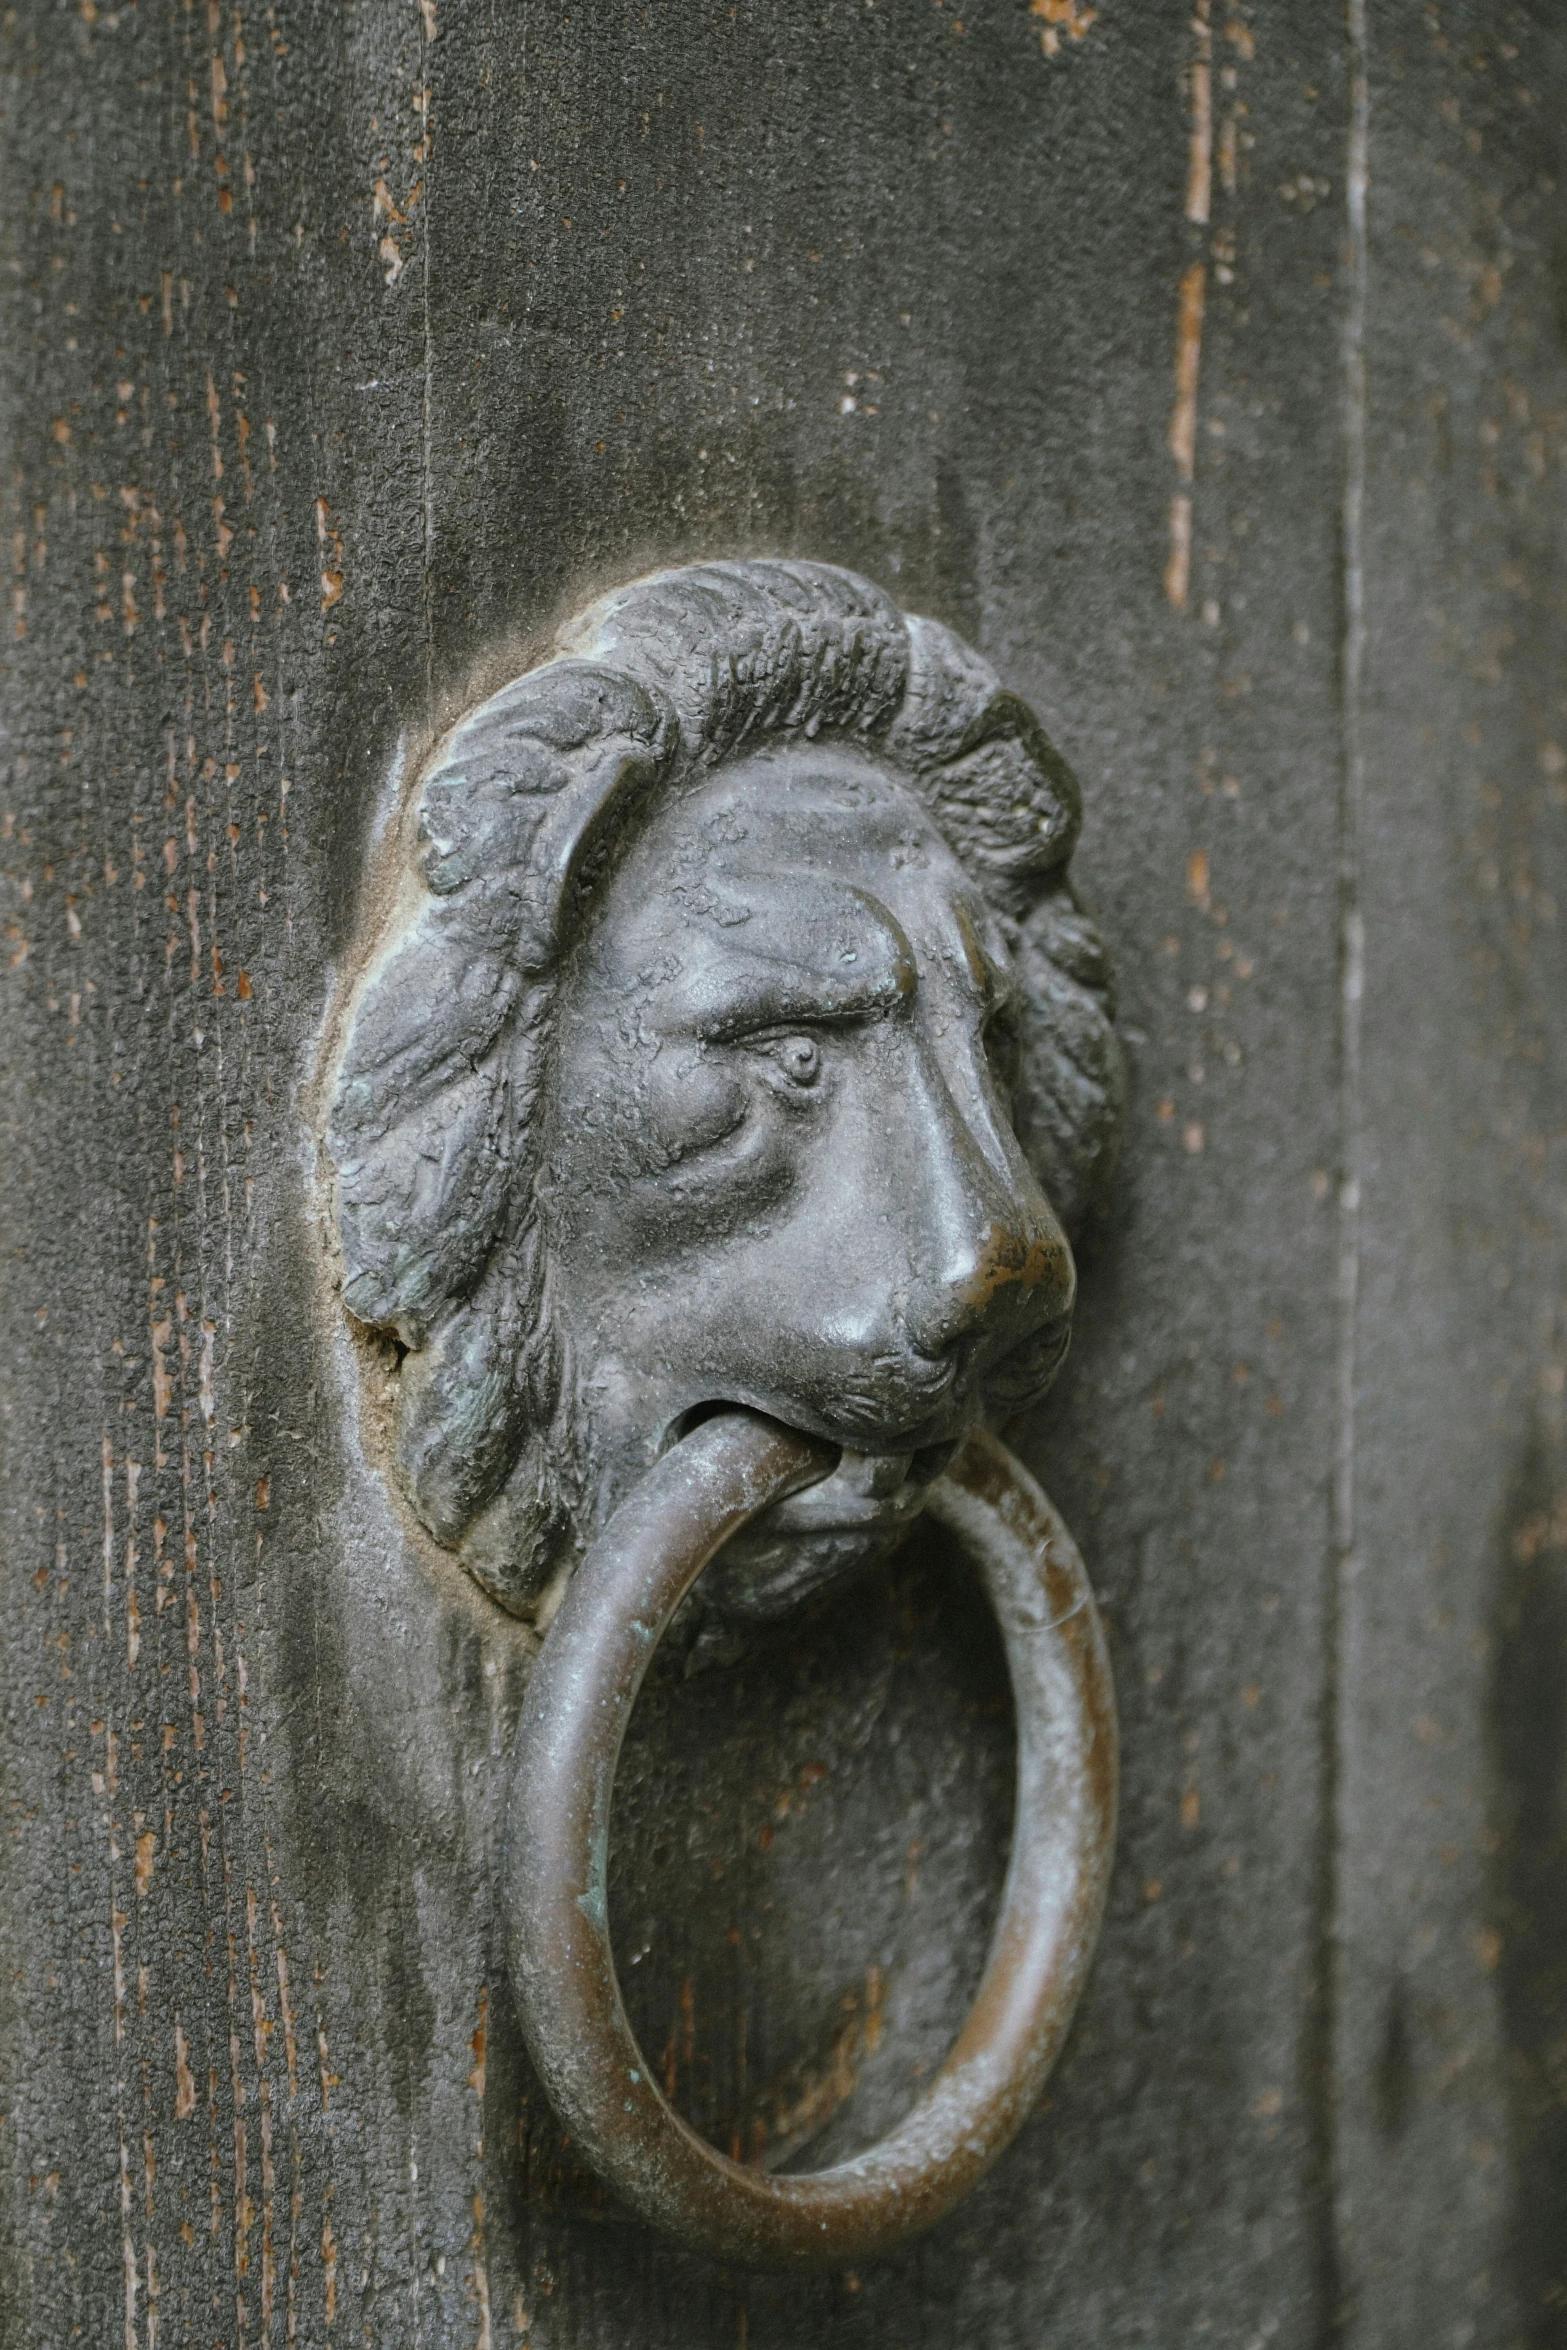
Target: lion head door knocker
pixel 706 1129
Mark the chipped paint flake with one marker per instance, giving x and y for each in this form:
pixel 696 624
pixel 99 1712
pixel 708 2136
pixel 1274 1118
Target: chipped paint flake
pixel 1070 17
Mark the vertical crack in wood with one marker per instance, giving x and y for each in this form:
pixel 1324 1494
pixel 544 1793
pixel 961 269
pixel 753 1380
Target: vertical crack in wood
pixel 1323 2026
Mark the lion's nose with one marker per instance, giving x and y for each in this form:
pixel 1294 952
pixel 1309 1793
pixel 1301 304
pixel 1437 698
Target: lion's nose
pixel 1020 1279
pixel 990 1255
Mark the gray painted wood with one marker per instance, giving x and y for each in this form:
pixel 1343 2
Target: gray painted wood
pixel 1452 1794
pixel 846 281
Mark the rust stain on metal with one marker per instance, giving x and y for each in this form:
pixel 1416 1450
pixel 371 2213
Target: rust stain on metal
pixel 1006 1265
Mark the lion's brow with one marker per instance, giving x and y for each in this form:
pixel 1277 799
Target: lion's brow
pixel 843 961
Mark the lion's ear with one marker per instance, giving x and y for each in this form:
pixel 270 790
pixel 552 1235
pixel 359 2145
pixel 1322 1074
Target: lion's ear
pixel 998 788
pixel 1072 1079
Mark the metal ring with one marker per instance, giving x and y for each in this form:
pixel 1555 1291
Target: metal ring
pixel 574 1716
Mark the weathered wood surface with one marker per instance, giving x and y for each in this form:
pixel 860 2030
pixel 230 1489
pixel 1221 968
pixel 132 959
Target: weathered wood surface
pixel 345 351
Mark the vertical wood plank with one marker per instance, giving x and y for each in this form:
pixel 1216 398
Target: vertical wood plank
pixel 1453 2180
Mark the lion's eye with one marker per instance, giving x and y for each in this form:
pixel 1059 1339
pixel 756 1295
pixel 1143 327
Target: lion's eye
pixel 799 1057
pixel 794 1056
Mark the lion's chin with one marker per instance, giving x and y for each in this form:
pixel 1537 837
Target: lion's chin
pixel 765 1573
pixel 847 1522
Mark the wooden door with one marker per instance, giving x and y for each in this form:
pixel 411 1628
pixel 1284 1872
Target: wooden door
pixel 1203 366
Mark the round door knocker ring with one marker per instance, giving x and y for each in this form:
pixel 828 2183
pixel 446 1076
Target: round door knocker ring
pixel 578 1704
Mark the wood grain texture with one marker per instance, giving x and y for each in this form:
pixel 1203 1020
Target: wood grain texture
pixel 346 352
pixel 1453 1791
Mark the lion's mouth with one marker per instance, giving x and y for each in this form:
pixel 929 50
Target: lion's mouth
pixel 880 1486
pixel 860 1512
pixel 867 1491
pixel 871 1488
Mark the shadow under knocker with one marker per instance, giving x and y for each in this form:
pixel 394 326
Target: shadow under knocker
pixel 707 1127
